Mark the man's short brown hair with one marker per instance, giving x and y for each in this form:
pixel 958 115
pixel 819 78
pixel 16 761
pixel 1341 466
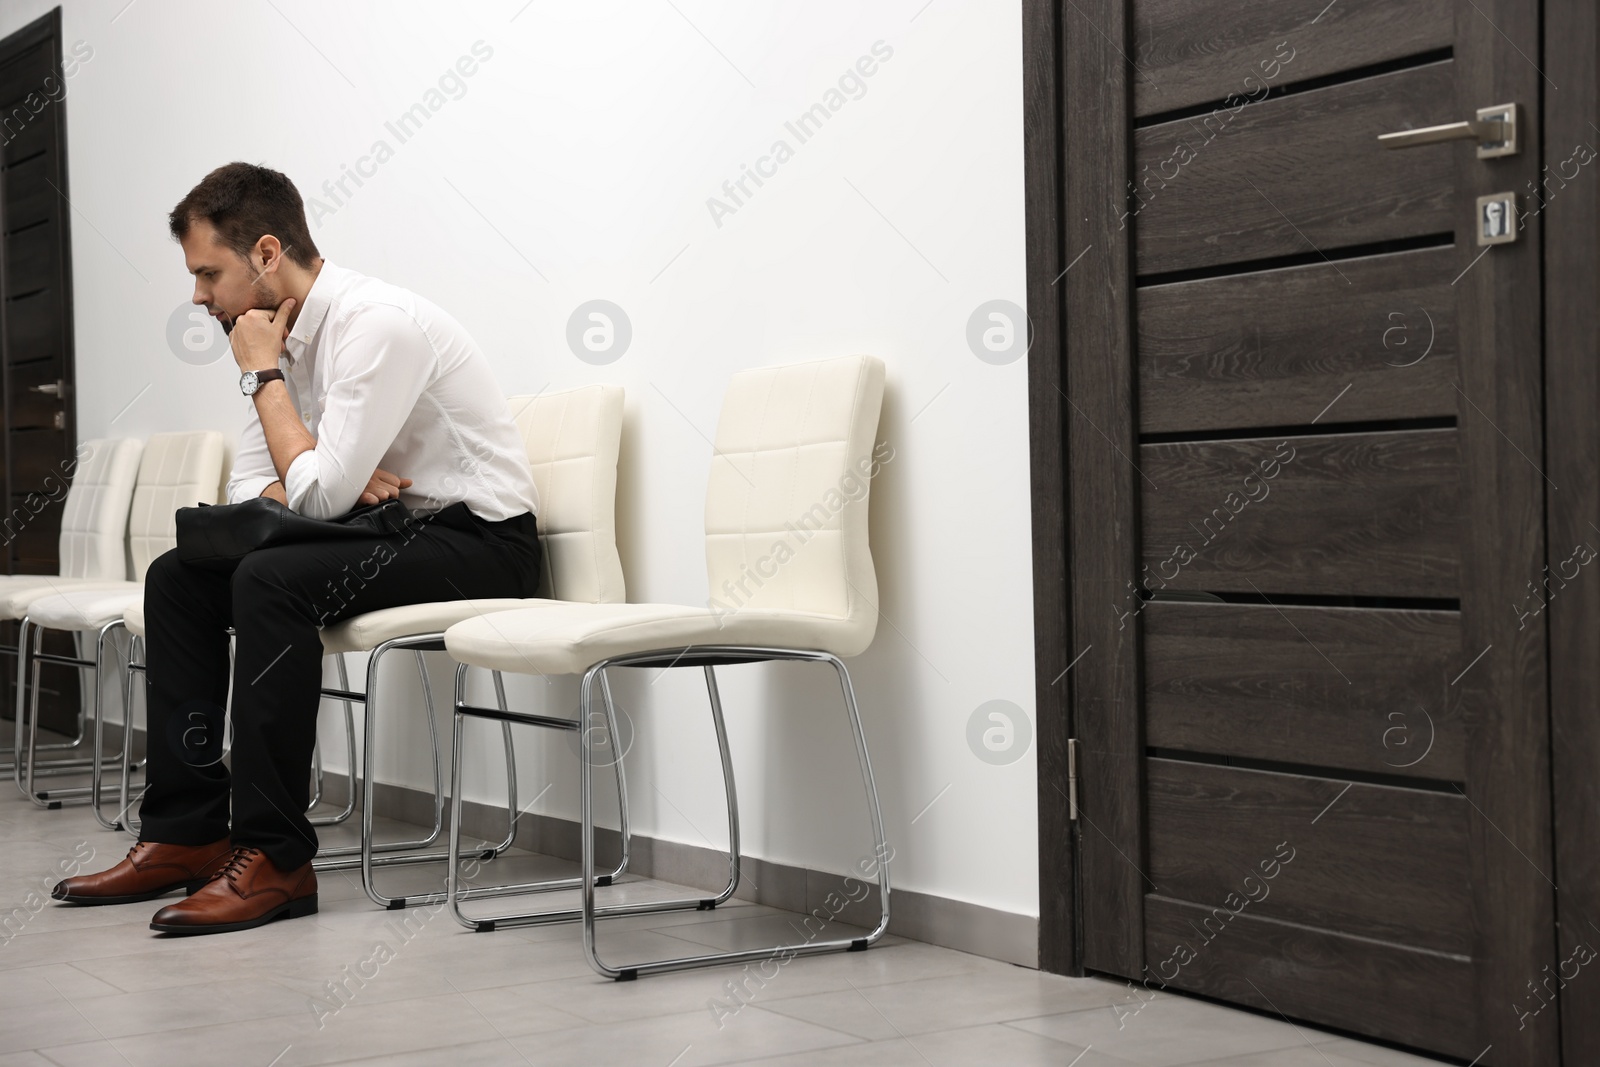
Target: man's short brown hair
pixel 246 202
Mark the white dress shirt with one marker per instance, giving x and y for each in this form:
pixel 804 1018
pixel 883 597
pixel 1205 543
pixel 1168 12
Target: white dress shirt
pixel 383 378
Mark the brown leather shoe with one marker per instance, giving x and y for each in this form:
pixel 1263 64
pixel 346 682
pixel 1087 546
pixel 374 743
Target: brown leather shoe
pixel 151 869
pixel 248 891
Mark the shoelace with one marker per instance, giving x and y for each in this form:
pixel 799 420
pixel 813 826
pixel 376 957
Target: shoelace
pixel 236 863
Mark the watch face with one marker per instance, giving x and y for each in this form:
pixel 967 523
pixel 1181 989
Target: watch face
pixel 249 383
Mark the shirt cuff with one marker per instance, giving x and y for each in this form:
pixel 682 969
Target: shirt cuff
pixel 241 489
pixel 300 483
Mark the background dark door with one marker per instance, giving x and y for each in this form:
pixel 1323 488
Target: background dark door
pixel 1306 538
pixel 36 357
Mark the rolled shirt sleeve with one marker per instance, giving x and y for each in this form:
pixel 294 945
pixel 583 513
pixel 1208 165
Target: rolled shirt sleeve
pixel 381 367
pixel 252 465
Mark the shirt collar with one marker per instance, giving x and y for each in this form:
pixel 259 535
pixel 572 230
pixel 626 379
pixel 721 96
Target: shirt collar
pixel 312 312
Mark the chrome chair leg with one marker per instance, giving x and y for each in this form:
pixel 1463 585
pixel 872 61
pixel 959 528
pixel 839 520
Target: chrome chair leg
pixel 345 857
pixel 813 946
pixel 124 821
pixel 8 765
pixel 455 893
pixel 349 747
pixel 28 698
pixel 96 771
pixel 512 811
pixel 54 798
pixel 622 782
pixel 25 651
pixel 33 720
pixel 316 776
pixel 348 857
pixel 483 853
pixel 550 884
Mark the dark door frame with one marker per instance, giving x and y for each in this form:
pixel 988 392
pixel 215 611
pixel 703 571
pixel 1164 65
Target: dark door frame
pixel 1044 157
pixel 1060 109
pixel 59 690
pixel 45 28
pixel 1572 455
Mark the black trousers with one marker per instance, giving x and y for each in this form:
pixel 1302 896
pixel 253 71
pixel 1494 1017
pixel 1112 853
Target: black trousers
pixel 277 601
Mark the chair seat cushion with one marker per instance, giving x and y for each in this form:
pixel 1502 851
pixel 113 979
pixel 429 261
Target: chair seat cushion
pixel 85 609
pixel 363 633
pixel 565 638
pixel 17 597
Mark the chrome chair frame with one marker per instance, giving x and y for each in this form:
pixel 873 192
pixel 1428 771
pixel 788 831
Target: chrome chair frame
pixel 455 893
pixel 708 657
pixel 8 755
pixel 435 642
pixel 365 854
pixel 54 799
pixel 28 695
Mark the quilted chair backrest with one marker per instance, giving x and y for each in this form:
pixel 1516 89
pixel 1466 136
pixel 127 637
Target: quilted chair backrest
pixel 572 439
pixel 786 506
pixel 178 470
pixel 94 523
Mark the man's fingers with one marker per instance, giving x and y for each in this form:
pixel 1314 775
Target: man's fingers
pixel 381 475
pixel 282 314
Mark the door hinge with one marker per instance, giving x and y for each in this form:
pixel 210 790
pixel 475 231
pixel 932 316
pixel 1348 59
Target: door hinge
pixel 1072 779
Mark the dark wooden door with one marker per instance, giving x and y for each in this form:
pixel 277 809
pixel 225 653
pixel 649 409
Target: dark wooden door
pixel 1307 493
pixel 36 357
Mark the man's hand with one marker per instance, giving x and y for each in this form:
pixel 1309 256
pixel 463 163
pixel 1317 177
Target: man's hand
pixel 383 486
pixel 257 336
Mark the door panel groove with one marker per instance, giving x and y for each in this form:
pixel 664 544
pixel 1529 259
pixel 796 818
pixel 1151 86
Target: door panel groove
pixel 28 226
pixel 1275 92
pixel 20 160
pixel 1297 259
pixel 1453 957
pixel 1305 770
pixel 1323 600
pixel 1298 429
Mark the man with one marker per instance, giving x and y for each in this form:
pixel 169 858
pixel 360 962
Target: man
pixel 360 392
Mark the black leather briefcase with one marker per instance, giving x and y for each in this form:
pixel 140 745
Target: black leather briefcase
pixel 218 536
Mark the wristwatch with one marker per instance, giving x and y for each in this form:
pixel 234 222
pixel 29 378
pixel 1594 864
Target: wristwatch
pixel 251 380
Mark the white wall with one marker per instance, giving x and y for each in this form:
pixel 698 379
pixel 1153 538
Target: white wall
pixel 577 164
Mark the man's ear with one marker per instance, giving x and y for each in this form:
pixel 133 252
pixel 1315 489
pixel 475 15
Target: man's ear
pixel 266 257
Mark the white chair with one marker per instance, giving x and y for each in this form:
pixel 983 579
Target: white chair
pixel 176 470
pixel 94 525
pixel 572 440
pixel 793 458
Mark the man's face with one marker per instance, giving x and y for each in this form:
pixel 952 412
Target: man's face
pixel 227 284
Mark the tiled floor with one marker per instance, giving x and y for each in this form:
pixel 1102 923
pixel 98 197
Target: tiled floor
pixel 94 986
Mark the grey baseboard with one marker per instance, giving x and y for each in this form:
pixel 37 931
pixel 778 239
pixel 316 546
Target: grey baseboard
pixel 936 920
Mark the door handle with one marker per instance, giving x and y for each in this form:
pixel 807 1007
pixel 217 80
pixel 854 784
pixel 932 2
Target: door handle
pixel 56 388
pixel 1494 128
